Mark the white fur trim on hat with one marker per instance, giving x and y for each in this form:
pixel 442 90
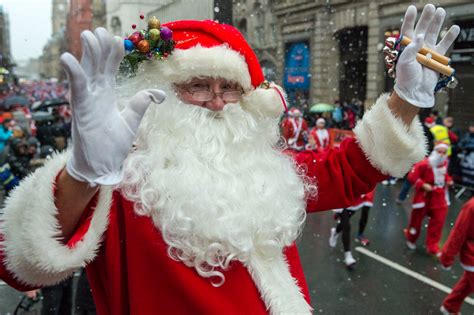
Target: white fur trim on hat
pixel 218 61
pixel 320 121
pixel 279 290
pixel 32 244
pixel 440 145
pixel 387 142
pixel 265 102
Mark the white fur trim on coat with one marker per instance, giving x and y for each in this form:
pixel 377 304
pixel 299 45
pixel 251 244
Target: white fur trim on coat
pixel 279 290
pixel 218 61
pixel 34 252
pixel 387 142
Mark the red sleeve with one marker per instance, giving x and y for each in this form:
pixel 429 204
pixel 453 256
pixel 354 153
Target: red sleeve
pixel 458 234
pixel 286 129
pixel 414 176
pixel 342 174
pixel 78 235
pixel 453 137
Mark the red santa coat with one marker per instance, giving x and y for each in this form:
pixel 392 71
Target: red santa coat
pixel 461 239
pixel 423 173
pixel 321 142
pixel 293 130
pixel 127 263
pixel 133 274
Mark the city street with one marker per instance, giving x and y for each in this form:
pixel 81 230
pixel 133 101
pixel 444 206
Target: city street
pixel 373 287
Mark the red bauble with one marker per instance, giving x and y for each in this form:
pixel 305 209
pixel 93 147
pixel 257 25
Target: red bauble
pixel 134 26
pixel 142 16
pixel 136 37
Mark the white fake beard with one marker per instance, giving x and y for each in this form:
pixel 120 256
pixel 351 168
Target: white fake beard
pixel 436 159
pixel 215 185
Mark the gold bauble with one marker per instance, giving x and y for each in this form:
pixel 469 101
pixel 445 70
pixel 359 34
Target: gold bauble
pixel 154 23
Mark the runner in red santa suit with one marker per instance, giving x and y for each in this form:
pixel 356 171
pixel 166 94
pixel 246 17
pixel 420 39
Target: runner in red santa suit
pixel 319 137
pixel 201 218
pixel 460 241
pixel 294 129
pixel 431 180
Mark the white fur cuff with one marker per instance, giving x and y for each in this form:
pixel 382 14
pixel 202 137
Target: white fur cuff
pixel 33 250
pixel 279 290
pixel 387 142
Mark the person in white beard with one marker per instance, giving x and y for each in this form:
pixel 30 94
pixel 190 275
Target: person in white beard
pixel 202 216
pixel 431 180
pixel 319 137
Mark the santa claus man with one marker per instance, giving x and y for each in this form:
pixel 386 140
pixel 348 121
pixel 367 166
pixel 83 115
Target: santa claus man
pixel 294 129
pixel 201 217
pixel 430 178
pixel 319 137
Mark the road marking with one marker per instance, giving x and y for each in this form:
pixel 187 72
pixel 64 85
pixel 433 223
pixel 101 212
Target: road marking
pixel 409 272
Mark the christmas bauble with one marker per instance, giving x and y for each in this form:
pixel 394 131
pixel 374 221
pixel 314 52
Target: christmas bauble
pixel 136 37
pixel 154 34
pixel 128 44
pixel 154 23
pixel 143 46
pixel 166 33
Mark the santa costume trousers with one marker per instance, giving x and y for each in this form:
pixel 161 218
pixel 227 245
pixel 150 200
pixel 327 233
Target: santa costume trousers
pixel 461 290
pixel 435 226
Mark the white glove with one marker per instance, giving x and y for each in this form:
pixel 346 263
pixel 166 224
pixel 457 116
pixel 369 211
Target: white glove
pixel 101 135
pixel 414 82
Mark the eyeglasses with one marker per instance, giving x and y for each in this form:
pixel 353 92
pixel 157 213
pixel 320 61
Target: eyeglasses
pixel 206 96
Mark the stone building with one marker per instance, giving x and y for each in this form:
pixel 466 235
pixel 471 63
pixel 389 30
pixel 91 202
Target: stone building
pixel 83 15
pixel 326 50
pixel 122 14
pixel 6 62
pixel 56 45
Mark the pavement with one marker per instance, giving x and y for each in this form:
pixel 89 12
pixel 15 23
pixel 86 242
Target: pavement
pixel 376 285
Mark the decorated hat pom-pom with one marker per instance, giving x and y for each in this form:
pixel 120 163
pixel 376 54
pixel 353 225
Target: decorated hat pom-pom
pixel 155 42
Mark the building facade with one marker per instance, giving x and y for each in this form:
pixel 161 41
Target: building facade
pixel 6 62
pixel 83 15
pixel 326 50
pixel 49 66
pixel 121 15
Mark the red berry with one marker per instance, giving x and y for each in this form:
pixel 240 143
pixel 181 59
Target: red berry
pixel 134 26
pixel 142 16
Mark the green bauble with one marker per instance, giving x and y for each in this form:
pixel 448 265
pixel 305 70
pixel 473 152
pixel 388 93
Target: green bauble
pixel 154 34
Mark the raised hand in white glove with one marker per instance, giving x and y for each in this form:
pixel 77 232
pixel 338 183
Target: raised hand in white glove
pixel 416 83
pixel 101 134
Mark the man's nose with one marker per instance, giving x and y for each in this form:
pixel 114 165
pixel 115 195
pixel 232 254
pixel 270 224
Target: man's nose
pixel 216 104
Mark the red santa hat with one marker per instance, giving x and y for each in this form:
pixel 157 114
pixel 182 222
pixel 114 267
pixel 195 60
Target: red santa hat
pixel 429 122
pixel 208 48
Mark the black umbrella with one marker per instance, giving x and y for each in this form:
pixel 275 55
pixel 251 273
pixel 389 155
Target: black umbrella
pixel 49 103
pixel 15 100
